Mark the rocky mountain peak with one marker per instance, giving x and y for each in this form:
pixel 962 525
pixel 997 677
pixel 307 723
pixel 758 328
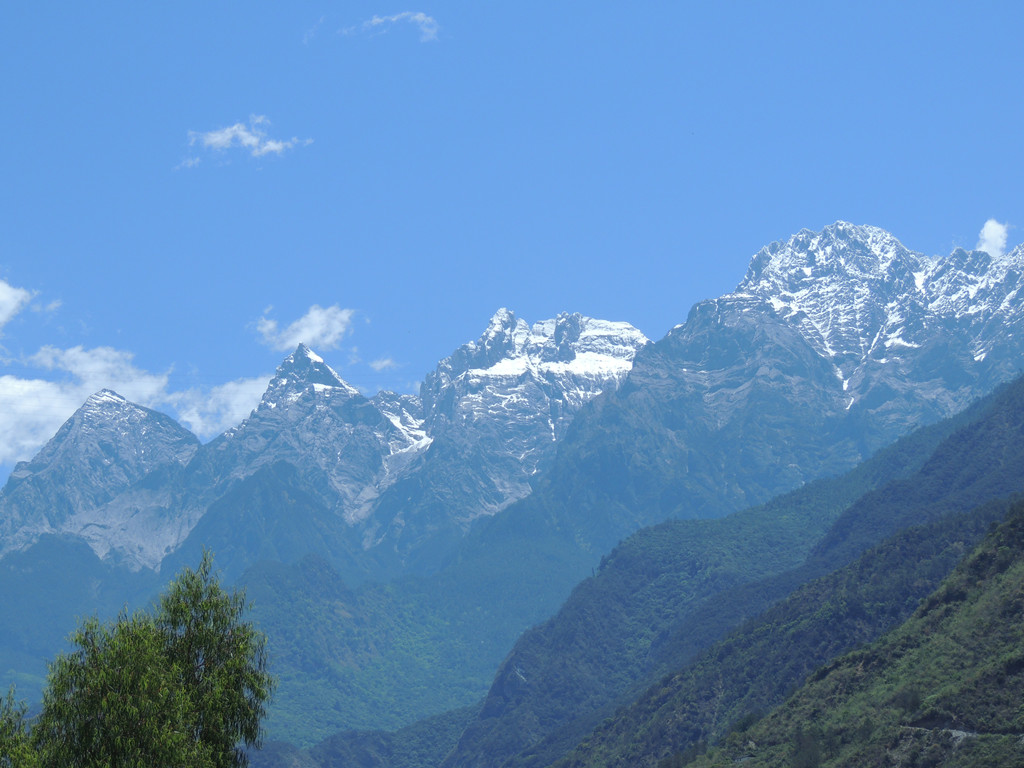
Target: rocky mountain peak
pixel 842 256
pixel 303 370
pixel 569 344
pixel 108 444
pixel 104 398
pixel 110 425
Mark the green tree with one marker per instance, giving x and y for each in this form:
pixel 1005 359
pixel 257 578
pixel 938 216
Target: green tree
pixel 187 686
pixel 15 747
pixel 222 662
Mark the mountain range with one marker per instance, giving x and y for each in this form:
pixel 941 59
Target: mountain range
pixel 444 525
pixel 392 471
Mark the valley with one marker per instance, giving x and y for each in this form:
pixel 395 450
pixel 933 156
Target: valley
pixel 575 546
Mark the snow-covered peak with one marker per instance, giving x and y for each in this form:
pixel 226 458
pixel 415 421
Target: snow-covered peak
pixel 303 351
pixel 847 288
pixel 301 370
pixel 502 323
pixel 569 343
pixel 856 294
pixel 861 257
pixel 104 398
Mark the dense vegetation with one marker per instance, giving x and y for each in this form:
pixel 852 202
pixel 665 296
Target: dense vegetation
pixel 944 688
pixel 185 685
pixel 760 663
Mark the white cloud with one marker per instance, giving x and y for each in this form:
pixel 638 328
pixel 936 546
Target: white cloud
pixel 383 364
pixel 321 328
pixel 252 137
pixel 94 369
pixel 208 413
pixel 33 409
pixel 427 25
pixel 992 238
pixel 12 301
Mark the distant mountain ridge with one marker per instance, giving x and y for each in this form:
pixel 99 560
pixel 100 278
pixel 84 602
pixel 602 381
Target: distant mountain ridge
pixel 833 345
pixel 496 406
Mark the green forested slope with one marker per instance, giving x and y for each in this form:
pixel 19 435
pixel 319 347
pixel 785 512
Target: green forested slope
pixel 760 663
pixel 674 583
pixel 944 688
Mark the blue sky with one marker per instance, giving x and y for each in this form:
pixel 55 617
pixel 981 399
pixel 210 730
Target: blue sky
pixel 187 188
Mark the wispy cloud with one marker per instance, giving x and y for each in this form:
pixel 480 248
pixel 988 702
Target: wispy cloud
pixel 94 369
pixel 33 408
pixel 12 301
pixel 427 25
pixel 383 364
pixel 313 31
pixel 992 238
pixel 252 138
pixel 321 327
pixel 210 412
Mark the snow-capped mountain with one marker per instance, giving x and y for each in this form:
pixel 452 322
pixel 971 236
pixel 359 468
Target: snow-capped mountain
pixel 494 412
pixel 860 298
pixel 834 344
pixel 517 388
pixel 497 405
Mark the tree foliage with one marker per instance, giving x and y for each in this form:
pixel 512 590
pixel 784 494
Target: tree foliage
pixel 15 745
pixel 186 685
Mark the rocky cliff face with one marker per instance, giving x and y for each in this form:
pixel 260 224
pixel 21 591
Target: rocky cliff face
pixel 345 446
pixel 510 396
pixel 494 412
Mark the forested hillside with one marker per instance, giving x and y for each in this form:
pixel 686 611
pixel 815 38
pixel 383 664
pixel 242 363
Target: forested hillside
pixel 663 596
pixel 944 688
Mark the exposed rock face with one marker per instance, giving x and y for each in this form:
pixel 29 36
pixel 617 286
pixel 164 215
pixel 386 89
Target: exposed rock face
pixel 106 447
pixel 344 445
pixel 834 344
pixel 494 411
pixel 496 408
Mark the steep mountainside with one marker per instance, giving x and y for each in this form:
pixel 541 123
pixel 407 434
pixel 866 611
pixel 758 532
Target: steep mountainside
pixel 833 345
pixel 944 688
pixel 634 619
pixel 495 411
pixel 756 666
